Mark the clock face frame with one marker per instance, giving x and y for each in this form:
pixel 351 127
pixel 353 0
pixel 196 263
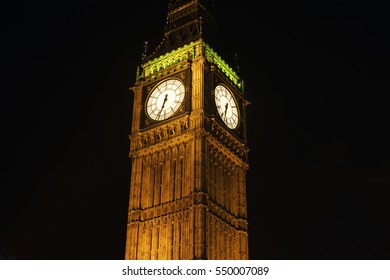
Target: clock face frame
pixel 165 99
pixel 227 106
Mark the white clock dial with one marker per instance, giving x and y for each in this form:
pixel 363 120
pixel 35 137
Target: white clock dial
pixel 226 106
pixel 165 99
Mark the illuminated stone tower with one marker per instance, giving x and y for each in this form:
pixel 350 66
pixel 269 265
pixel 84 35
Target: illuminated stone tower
pixel 188 146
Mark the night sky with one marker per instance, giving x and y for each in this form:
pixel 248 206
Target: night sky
pixel 316 74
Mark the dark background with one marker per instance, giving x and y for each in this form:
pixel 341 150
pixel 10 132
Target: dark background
pixel 316 74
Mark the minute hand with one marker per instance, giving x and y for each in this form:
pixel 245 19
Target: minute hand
pixel 226 108
pixel 162 107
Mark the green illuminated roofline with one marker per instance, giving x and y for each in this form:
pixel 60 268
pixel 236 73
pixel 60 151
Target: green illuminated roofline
pixel 190 51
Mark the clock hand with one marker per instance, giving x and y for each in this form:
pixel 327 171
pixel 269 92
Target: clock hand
pixel 162 107
pixel 226 107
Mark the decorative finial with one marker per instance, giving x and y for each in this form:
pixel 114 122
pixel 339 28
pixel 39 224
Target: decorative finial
pixel 201 25
pixel 236 62
pixel 137 76
pixel 145 49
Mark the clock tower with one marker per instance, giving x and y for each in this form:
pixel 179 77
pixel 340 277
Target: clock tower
pixel 188 146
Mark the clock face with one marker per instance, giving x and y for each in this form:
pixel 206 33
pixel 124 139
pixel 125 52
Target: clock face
pixel 226 106
pixel 165 99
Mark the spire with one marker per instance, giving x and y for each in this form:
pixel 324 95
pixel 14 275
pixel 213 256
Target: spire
pixel 187 21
